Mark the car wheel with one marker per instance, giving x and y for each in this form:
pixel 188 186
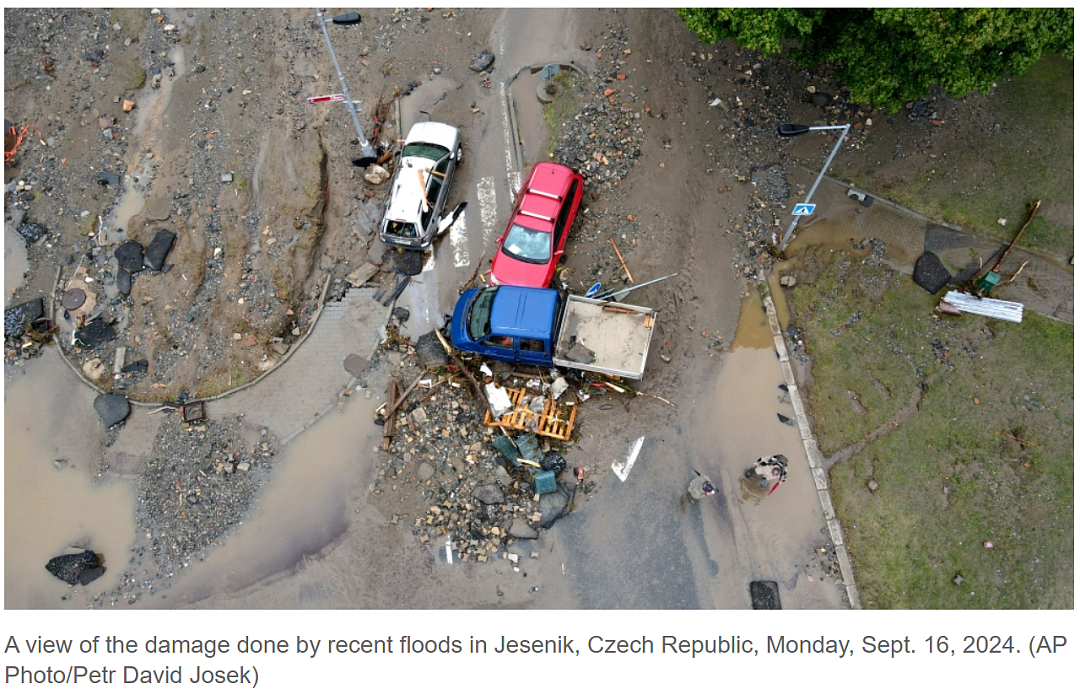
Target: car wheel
pixel 459 154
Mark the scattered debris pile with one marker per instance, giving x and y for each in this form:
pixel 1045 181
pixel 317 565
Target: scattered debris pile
pixel 452 477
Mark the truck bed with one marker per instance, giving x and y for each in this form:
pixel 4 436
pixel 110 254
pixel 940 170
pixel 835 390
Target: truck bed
pixel 617 335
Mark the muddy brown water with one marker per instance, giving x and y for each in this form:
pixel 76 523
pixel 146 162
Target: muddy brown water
pixel 149 120
pixel 303 508
pixel 49 417
pixel 777 533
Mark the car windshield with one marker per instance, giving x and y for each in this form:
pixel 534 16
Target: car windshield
pixel 531 246
pixel 480 313
pixel 422 150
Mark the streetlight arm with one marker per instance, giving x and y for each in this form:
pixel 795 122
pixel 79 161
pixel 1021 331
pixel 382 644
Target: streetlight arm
pixel 845 127
pixel 368 152
pixel 810 195
pixel 828 162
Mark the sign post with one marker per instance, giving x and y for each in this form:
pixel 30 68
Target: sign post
pixel 807 208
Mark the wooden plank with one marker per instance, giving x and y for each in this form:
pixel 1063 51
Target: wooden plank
pixel 549 423
pixel 391 413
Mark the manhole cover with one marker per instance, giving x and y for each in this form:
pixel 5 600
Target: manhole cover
pixel 73 299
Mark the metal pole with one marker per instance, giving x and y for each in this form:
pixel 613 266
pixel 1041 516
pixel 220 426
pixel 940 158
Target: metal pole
pixel 368 152
pixel 611 295
pixel 836 148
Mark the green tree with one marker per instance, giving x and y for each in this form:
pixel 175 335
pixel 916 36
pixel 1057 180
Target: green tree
pixel 890 56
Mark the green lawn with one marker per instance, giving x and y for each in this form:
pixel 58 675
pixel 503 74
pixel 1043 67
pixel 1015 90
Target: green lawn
pixel 955 473
pixel 995 172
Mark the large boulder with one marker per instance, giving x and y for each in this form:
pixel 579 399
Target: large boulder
pixel 112 408
pixel 489 494
pixel 31 232
pixel 554 506
pixel 17 318
pixel 123 281
pixel 482 61
pixel 430 351
pixel 95 334
pixel 520 529
pixel 929 273
pixel 159 248
pixel 78 568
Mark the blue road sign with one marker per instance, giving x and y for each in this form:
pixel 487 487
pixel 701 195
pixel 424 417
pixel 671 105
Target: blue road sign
pixel 804 209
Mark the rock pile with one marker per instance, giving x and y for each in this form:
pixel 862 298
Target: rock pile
pixel 199 482
pixel 443 477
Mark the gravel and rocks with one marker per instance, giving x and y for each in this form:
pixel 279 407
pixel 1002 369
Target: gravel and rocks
pixel 199 482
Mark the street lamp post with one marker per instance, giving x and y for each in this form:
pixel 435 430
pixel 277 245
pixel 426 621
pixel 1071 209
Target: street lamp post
pixel 368 155
pixel 797 130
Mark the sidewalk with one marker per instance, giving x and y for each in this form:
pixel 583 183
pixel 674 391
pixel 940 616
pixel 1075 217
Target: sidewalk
pixel 1045 285
pixel 307 385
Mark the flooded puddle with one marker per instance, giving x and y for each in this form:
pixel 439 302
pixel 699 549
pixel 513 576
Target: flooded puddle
pixel 303 508
pixel 752 330
pixel 740 423
pixel 148 123
pixel 49 420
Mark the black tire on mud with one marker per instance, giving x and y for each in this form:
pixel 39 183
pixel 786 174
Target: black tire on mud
pixel 430 351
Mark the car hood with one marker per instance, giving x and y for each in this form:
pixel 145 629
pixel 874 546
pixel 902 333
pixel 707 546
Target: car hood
pixel 510 271
pixel 444 135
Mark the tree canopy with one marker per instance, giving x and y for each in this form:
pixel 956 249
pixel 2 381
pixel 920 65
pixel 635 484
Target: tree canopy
pixel 890 56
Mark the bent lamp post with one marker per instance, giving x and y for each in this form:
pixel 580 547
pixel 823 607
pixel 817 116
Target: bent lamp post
pixel 368 155
pixel 798 130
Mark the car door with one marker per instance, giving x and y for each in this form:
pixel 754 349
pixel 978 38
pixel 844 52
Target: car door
pixel 563 222
pixel 533 352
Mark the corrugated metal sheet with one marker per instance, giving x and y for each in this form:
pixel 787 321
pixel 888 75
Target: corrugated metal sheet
pixel 993 308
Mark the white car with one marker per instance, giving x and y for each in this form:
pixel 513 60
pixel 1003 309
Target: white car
pixel 421 185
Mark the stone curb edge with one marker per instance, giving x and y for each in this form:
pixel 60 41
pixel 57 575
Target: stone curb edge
pixel 814 458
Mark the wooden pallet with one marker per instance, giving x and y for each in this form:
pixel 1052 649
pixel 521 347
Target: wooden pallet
pixel 554 422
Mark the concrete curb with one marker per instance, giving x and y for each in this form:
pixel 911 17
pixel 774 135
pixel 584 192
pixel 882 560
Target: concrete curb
pixel 515 135
pixel 889 202
pixel 814 458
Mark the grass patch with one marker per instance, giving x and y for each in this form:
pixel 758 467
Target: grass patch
pixel 131 21
pixel 955 473
pixel 1027 154
pixel 224 378
pixel 556 112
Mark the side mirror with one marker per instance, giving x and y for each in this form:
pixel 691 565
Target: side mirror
pixel 347 19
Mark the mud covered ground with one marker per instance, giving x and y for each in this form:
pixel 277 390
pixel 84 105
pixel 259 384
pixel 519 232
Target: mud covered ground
pixel 195 122
pixel 219 147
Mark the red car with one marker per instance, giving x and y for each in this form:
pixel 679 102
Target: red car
pixel 533 242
